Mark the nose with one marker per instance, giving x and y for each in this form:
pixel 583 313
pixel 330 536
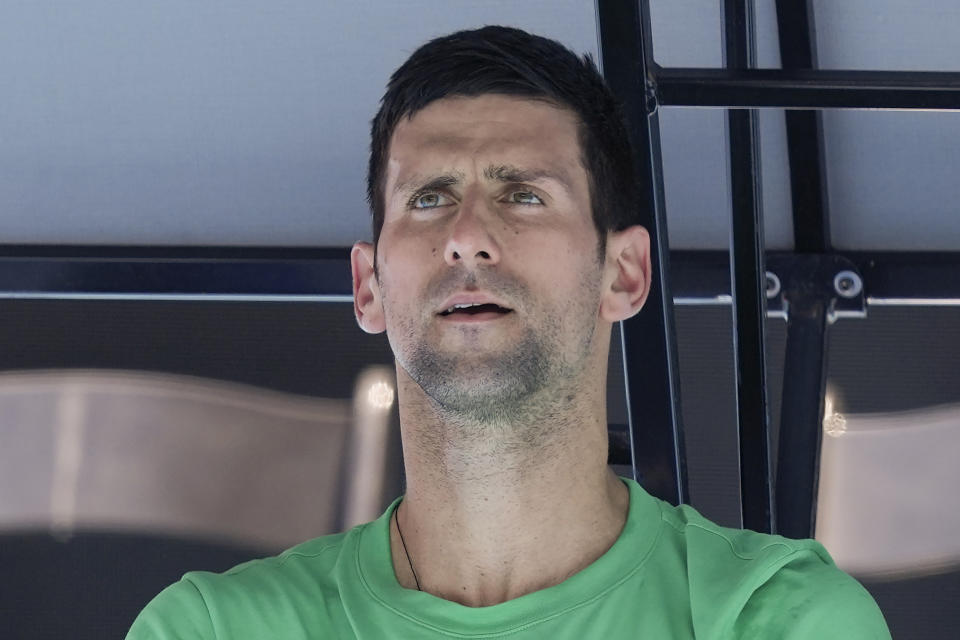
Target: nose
pixel 470 242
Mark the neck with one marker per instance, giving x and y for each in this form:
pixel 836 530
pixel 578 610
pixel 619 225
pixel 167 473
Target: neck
pixel 483 500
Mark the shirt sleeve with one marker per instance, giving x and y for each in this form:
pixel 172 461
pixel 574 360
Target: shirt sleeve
pixel 176 613
pixel 808 598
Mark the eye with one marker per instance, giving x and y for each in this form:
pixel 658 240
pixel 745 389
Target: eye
pixel 524 197
pixel 428 200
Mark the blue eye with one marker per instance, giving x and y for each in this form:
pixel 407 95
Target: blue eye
pixel 525 197
pixel 427 200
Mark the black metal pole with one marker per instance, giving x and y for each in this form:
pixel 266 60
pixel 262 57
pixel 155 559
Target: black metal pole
pixel 698 277
pixel 810 293
pixel 901 278
pixel 649 343
pixel 798 465
pixel 808 89
pixel 805 363
pixel 808 181
pixel 747 285
pixel 226 273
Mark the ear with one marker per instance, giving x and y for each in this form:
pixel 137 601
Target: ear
pixel 627 274
pixel 367 305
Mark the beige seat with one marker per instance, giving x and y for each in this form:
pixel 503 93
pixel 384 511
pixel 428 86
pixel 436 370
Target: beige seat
pixel 889 497
pixel 133 451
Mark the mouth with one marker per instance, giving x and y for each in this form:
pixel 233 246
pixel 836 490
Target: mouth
pixel 475 312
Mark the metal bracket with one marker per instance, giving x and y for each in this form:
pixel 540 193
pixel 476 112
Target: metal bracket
pixel 796 279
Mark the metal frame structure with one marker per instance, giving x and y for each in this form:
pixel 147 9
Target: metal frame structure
pixel 810 291
pixel 277 274
pixel 649 343
pixel 811 298
pixel 748 276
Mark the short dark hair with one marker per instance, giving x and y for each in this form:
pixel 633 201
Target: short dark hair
pixel 508 61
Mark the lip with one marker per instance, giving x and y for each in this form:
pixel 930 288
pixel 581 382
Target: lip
pixel 474 318
pixel 473 297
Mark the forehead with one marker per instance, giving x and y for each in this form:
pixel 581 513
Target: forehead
pixel 461 132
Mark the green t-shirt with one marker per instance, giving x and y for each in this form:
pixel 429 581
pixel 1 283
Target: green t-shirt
pixel 671 574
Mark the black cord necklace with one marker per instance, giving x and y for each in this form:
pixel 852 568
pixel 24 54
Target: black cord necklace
pixel 396 519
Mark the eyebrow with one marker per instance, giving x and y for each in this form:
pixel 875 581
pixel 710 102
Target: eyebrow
pixel 508 173
pixel 503 173
pixel 421 183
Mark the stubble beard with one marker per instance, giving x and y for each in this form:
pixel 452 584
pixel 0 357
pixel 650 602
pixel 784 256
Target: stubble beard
pixel 527 382
pixel 495 389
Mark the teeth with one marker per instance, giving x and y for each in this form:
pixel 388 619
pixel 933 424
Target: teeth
pixel 463 306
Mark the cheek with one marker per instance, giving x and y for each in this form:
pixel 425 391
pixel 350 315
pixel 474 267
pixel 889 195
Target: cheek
pixel 403 277
pixel 557 257
pixel 565 273
pixel 401 243
pixel 397 255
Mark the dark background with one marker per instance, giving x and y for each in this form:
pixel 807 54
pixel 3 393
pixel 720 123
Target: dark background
pixel 93 584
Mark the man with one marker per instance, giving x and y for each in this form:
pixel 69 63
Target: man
pixel 505 248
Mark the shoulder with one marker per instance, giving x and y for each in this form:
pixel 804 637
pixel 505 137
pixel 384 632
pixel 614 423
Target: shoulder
pixel 177 612
pixel 307 566
pixel 808 598
pixel 744 584
pixel 214 605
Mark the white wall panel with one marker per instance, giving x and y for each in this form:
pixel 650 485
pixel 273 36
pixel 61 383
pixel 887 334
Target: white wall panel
pixel 240 122
pixel 892 179
pixel 246 122
pixel 902 35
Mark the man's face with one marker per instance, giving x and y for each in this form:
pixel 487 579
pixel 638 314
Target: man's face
pixel 487 204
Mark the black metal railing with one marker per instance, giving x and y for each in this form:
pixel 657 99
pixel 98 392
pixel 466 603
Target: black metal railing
pixel 798 85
